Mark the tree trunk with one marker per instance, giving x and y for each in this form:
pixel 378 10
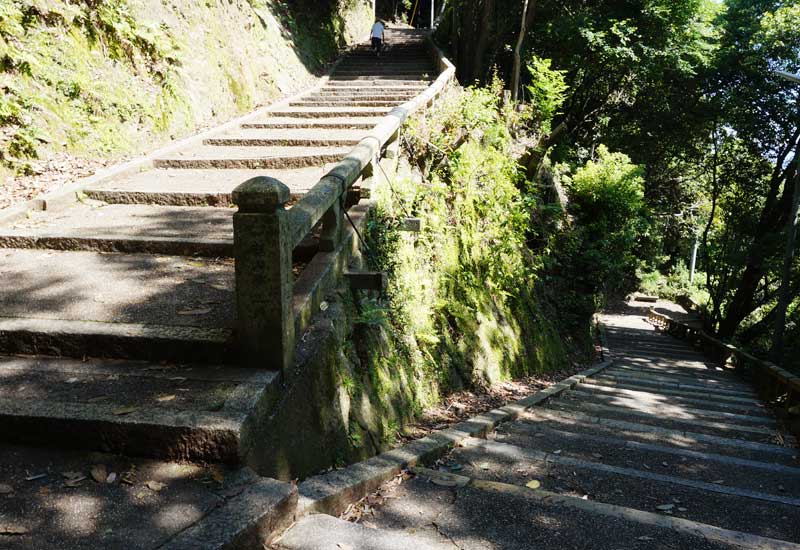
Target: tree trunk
pixel 776 353
pixel 523 27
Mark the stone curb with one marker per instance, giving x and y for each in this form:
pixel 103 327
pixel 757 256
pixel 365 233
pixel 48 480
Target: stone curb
pixel 332 492
pixel 248 520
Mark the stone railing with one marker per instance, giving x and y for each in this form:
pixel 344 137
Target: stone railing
pixel 773 384
pixel 272 308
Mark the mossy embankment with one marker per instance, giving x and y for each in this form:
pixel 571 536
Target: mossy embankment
pixel 466 305
pixel 104 79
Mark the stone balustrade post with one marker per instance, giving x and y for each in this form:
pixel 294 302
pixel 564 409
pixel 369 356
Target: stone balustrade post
pixel 263 255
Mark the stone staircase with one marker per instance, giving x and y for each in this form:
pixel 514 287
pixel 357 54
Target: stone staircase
pixel 118 314
pixel 662 449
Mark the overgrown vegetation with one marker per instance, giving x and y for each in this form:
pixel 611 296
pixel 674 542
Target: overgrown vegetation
pixel 688 90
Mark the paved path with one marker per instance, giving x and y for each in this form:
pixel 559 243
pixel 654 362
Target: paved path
pixel 137 275
pixel 661 450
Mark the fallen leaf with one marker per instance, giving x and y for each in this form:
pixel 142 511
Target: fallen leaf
pixel 597 455
pixel 6 489
pixel 11 529
pixel 344 546
pixel 71 475
pixel 217 474
pixel 112 477
pixel 483 465
pixel 558 452
pixel 196 311
pixel 122 411
pixel 74 482
pixel 719 481
pixel 98 399
pixel 533 484
pixel 99 473
pixel 323 306
pixel 665 507
pixel 155 486
pixel 445 482
pixel 34 477
pixel 644 538
pixel 681 509
pixel 166 398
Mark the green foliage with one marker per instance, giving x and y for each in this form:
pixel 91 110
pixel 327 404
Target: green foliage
pixel 547 90
pixel 606 199
pixel 461 300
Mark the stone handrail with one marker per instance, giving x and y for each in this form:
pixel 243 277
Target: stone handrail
pixel 266 231
pixel 771 381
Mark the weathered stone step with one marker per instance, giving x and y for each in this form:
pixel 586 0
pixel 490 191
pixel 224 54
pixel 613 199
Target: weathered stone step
pixel 351 102
pixel 54 337
pixel 710 503
pixel 635 343
pixel 395 73
pixel 678 448
pixel 379 82
pixel 375 84
pixel 324 532
pixel 660 354
pixel 183 231
pixel 647 380
pixel 670 461
pixel 590 387
pixel 489 514
pixel 344 97
pixel 667 421
pixel 209 156
pixel 305 137
pixel 186 187
pixel 166 411
pixel 128 305
pixel 710 374
pixel 329 112
pixel 389 78
pixel 658 389
pixel 670 408
pixel 634 430
pixel 359 123
pixel 659 376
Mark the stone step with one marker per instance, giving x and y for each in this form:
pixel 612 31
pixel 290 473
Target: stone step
pixel 707 374
pixel 210 156
pixel 672 443
pixel 186 187
pixel 656 374
pixel 306 137
pixel 660 354
pixel 139 229
pixel 668 407
pixel 658 389
pixel 660 459
pixel 116 305
pixel 345 97
pixel 374 85
pixel 762 512
pixel 590 387
pixel 176 412
pixel 389 78
pixel 647 380
pixel 360 123
pixel 329 112
pixel 324 532
pixel 351 102
pixel 478 513
pixel 647 433
pixel 392 73
pixel 673 422
pixel 358 82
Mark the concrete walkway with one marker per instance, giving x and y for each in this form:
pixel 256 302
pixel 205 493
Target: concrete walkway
pixel 662 449
pixel 117 312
